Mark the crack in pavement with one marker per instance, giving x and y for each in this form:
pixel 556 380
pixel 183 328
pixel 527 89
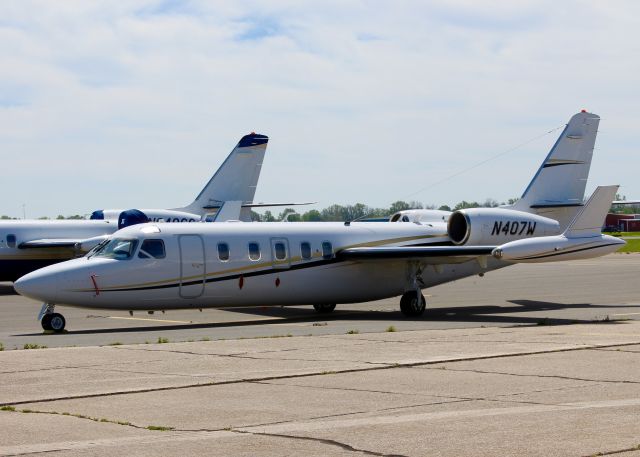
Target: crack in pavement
pixel 330 442
pixel 618 350
pixel 71 367
pixel 570 378
pixel 619 451
pixel 335 371
pixel 453 398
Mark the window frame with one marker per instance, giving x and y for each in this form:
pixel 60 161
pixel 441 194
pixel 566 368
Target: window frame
pixel 228 257
pixel 12 240
pixel 249 251
pixel 147 255
pixel 302 256
pixel 326 256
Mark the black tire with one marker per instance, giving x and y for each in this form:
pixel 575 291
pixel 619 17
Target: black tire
pixel 324 309
pixel 46 322
pixel 57 322
pixel 410 306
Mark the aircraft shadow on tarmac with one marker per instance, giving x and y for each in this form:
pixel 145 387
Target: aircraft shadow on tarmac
pixel 492 314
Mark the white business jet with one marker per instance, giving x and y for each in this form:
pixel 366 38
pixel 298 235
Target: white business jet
pixel 180 266
pixel 26 245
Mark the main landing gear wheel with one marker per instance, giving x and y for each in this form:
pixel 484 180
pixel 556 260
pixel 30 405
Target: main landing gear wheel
pixel 411 306
pixel 324 308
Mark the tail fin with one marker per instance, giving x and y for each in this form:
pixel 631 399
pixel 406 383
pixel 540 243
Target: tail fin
pixel 589 221
pixel 236 179
pixel 557 189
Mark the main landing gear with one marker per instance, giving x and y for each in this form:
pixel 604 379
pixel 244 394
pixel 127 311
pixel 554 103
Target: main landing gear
pixel 324 308
pixel 51 320
pixel 410 305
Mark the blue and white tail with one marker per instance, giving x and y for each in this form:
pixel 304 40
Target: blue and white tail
pixel 557 189
pixel 236 179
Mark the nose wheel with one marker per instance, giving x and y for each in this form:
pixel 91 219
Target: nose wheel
pixel 50 320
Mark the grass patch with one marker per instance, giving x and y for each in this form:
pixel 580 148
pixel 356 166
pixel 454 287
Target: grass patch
pixel 1 347
pixel 115 343
pixel 390 328
pixel 622 234
pixel 354 331
pixel 33 346
pixel 7 408
pixel 162 340
pixel 320 324
pixel 206 338
pixel 631 246
pixel 159 428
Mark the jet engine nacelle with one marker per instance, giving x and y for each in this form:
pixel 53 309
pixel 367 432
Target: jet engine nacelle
pixel 556 248
pixel 420 215
pixel 494 226
pixel 153 215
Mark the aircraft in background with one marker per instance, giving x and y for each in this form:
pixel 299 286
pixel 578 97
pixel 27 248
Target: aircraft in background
pixel 26 245
pixel 193 266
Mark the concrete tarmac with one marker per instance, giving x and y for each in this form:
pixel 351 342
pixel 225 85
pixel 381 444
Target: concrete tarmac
pixel 526 294
pixel 565 390
pixel 533 360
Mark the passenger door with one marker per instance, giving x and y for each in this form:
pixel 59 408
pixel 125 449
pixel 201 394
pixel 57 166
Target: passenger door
pixel 192 266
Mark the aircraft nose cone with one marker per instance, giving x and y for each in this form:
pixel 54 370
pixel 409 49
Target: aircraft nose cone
pixel 39 285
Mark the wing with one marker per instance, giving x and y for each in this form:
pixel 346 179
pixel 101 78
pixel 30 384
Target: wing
pixel 50 243
pixel 79 244
pixel 434 254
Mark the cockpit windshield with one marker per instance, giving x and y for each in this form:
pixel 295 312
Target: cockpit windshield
pixel 117 248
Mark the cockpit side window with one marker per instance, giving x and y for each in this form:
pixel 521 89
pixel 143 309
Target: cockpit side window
pixel 117 248
pixel 11 241
pixel 152 249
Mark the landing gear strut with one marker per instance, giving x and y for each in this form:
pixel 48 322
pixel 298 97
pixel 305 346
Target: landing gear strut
pixel 51 320
pixel 412 303
pixel 324 308
pixel 411 306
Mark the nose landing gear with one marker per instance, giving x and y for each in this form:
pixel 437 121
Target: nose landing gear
pixel 51 320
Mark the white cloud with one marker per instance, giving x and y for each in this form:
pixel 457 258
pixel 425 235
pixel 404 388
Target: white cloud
pixel 135 103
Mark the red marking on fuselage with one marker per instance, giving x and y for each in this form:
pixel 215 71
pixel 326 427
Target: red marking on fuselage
pixel 95 284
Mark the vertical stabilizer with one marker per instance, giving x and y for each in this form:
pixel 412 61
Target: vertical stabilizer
pixel 589 221
pixel 236 179
pixel 557 189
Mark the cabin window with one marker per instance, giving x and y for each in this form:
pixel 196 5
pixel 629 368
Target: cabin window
pixel 327 250
pixel 280 250
pixel 254 251
pixel 305 250
pixel 152 249
pixel 117 248
pixel 223 252
pixel 11 241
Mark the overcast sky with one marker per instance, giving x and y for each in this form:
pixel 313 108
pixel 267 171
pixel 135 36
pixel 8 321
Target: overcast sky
pixel 136 103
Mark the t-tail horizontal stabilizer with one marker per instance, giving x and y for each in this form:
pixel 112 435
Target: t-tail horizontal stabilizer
pixel 236 179
pixel 581 240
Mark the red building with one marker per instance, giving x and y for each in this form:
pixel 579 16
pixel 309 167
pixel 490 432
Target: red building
pixel 623 222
